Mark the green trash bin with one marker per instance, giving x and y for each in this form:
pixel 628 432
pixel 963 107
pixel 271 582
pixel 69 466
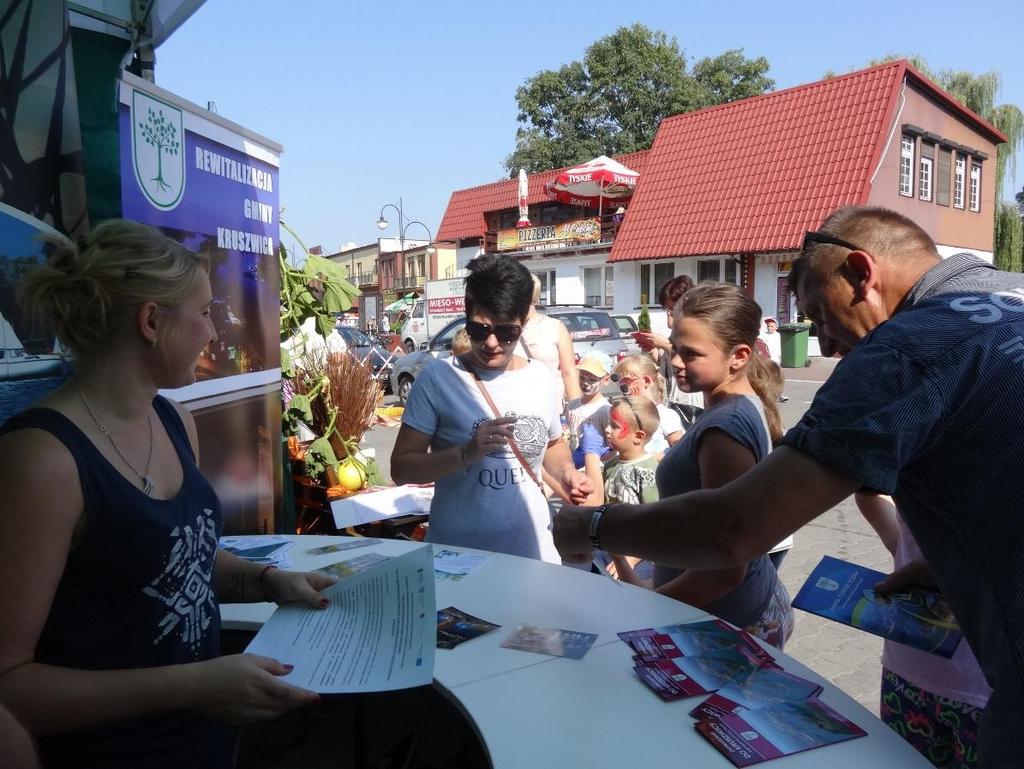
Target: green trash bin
pixel 794 344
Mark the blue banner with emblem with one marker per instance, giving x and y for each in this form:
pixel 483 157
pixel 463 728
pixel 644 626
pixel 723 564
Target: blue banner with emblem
pixel 212 185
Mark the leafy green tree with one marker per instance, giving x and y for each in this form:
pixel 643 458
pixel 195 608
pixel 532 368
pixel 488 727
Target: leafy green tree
pixel 731 76
pixel 978 93
pixel 613 101
pixel 1008 238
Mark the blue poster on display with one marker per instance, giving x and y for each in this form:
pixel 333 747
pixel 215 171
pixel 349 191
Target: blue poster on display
pixel 42 189
pixel 31 362
pixel 212 185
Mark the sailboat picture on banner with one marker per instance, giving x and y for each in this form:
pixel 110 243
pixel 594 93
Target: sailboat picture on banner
pixel 16 363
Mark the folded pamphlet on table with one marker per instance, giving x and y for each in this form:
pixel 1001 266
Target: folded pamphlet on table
pixel 761 734
pixel 844 592
pixel 756 711
pixel 456 565
pixel 268 550
pixel 766 685
pixel 455 627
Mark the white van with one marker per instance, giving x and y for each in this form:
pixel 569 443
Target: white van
pixel 414 330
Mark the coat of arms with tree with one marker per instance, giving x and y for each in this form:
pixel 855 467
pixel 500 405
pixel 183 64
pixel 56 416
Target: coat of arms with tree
pixel 162 135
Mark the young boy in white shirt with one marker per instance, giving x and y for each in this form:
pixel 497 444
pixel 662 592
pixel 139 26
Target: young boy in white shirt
pixel 591 407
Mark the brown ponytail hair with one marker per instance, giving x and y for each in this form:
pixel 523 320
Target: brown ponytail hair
pixel 735 319
pixel 88 292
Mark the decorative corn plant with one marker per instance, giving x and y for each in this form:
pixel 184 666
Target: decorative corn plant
pixel 311 294
pixel 341 394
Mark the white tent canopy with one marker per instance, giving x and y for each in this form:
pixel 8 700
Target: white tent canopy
pixel 114 17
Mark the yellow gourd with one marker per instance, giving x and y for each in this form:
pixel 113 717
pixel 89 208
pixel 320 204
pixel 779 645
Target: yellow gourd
pixel 351 475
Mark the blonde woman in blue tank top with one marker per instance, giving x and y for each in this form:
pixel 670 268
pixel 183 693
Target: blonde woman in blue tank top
pixel 109 648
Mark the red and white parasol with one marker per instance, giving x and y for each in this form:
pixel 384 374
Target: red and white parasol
pixel 524 218
pixel 591 183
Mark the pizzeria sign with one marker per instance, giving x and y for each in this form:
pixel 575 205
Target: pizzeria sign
pixel 550 235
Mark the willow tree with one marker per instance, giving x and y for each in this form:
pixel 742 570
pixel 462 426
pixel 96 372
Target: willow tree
pixel 978 92
pixel 1008 239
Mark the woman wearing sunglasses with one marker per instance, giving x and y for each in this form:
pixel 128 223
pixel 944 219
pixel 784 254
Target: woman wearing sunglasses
pixel 484 423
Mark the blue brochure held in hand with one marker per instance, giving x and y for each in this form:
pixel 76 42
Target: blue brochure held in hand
pixel 843 592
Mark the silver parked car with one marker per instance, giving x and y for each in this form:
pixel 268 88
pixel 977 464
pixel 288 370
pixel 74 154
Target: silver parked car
pixel 407 367
pixel 365 349
pixel 627 327
pixel 589 328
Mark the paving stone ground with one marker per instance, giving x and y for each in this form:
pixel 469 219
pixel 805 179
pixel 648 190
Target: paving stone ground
pixel 849 658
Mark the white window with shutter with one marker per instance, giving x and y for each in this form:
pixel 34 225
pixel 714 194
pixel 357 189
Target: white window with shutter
pixel 975 194
pixel 709 270
pixel 924 181
pixel 907 166
pixel 598 286
pixel 958 181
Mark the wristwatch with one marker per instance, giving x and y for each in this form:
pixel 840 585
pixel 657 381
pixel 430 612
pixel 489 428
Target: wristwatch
pixel 595 525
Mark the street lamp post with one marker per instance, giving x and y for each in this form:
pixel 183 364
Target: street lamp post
pixel 403 226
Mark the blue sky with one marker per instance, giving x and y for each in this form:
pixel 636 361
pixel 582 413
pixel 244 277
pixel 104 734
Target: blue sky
pixel 373 101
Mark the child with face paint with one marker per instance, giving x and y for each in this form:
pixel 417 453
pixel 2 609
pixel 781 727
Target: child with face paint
pixel 631 420
pixel 591 407
pixel 639 375
pixel 629 476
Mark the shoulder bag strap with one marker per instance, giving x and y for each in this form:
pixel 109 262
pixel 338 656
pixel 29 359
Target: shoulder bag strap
pixel 526 349
pixel 511 441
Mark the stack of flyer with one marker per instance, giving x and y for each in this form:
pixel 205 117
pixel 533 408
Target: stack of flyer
pixel 756 711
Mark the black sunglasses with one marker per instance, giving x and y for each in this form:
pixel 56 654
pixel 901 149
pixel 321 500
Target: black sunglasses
pixel 506 333
pixel 815 236
pixel 623 387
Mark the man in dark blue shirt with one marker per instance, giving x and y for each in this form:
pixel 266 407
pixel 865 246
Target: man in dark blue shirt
pixel 928 406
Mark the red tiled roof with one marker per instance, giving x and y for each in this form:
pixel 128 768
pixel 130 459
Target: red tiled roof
pixel 464 217
pixel 753 175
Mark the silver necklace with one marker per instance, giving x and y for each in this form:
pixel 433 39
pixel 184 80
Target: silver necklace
pixel 147 482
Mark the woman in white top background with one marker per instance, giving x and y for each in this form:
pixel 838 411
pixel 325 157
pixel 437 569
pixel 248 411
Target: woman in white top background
pixel 547 341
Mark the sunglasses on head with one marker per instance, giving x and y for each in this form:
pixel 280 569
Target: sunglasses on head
pixel 505 333
pixel 816 236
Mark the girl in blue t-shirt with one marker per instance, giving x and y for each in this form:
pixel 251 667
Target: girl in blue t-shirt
pixel 714 330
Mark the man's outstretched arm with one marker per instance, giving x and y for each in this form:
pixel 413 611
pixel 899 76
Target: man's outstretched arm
pixel 717 528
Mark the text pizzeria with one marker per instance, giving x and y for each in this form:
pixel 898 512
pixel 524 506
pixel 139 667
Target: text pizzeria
pixel 537 233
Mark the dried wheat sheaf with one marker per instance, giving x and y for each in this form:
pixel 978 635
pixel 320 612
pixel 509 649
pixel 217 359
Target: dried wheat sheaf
pixel 350 393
